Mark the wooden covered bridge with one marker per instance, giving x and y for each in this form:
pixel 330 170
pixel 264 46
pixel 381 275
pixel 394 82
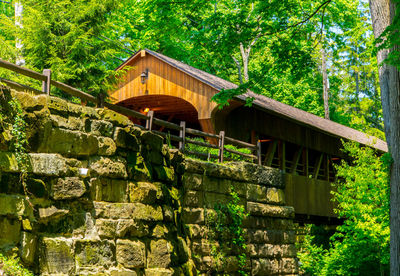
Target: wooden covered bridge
pixel 304 146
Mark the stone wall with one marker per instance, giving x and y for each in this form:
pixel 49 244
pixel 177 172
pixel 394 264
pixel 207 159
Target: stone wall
pixel 96 195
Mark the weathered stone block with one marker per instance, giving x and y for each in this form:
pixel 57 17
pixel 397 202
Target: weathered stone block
pixel 57 106
pixel 158 272
pixel 124 139
pixel 159 255
pixel 197 231
pixel 152 141
pixel 121 272
pixel 10 230
pixel 82 111
pixel 51 213
pixel 266 210
pixel 203 247
pixel 69 142
pixel 99 127
pixel 268 223
pixel 71 123
pixel 14 206
pixel 28 102
pixel 240 188
pixel 94 253
pixel 211 200
pixel 272 250
pixel 193 199
pixel 159 231
pixel 131 254
pixel 57 256
pixel 113 167
pixel 271 236
pixel 137 211
pixel 114 117
pixel 8 162
pixel 67 188
pixel 108 228
pixel 143 192
pixel 106 146
pixel 28 247
pixel 48 164
pixel 195 216
pixel 111 190
pixel 192 181
pixel 274 266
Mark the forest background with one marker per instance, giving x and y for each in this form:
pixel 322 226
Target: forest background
pixel 319 56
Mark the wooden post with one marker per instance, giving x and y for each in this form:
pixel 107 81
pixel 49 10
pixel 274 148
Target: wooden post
pixel 305 162
pixel 296 160
pixel 317 166
pixel 149 122
pixel 259 152
pixel 100 100
pixel 282 155
pixel 270 153
pixel 46 83
pixel 221 146
pixel 182 135
pixel 327 172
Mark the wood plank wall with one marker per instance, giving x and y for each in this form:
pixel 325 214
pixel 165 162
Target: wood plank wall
pixel 164 79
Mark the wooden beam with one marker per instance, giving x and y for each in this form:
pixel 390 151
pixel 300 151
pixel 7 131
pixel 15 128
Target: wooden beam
pixel 168 120
pixel 317 166
pixel 142 53
pixel 270 153
pixel 282 156
pixel 296 159
pixel 305 162
pixel 327 161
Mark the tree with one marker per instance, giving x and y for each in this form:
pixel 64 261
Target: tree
pixel 383 13
pixel 64 36
pixel 360 246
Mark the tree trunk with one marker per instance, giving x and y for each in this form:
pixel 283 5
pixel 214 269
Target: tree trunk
pixel 325 83
pixel 239 67
pixel 245 58
pixel 18 10
pixel 382 14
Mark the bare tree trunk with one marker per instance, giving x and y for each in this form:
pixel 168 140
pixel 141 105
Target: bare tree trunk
pixel 325 83
pixel 245 57
pixel 382 14
pixel 18 10
pixel 239 67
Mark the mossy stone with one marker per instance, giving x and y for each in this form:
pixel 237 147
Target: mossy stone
pixel 57 256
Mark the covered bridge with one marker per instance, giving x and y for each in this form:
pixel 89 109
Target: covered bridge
pixel 302 145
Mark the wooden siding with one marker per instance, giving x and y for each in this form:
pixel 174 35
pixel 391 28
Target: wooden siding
pixel 240 122
pixel 309 196
pixel 164 80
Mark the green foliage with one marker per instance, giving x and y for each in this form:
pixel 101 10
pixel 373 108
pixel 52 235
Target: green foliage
pixel 12 266
pixel 211 151
pixel 361 245
pixel 226 233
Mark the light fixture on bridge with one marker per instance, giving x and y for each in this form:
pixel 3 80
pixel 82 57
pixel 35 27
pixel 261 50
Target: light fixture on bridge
pixel 144 76
pixel 146 110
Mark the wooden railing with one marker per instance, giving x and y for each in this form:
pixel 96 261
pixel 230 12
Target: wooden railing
pixel 150 119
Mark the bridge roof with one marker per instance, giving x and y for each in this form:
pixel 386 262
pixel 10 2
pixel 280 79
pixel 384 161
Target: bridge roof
pixel 272 106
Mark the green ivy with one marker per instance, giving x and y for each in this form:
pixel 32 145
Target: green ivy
pixel 13 131
pixel 12 266
pixel 226 233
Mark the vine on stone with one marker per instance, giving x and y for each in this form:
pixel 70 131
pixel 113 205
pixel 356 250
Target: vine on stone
pixel 226 233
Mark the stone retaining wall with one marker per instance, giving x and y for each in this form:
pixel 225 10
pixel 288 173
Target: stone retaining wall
pixel 102 197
